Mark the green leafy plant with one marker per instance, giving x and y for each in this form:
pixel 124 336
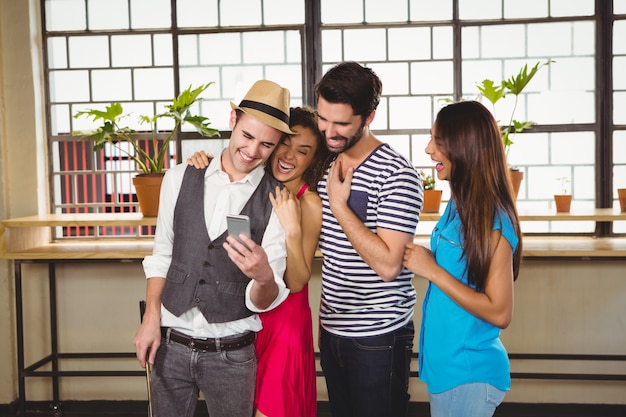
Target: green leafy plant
pixel 428 181
pixel 510 86
pixel 111 130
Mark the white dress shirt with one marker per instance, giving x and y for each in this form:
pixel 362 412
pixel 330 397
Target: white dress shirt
pixel 221 197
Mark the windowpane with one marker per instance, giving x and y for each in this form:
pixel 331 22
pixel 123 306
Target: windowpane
pixel 240 13
pixel 529 149
pixel 432 77
pixel 260 47
pixel 65 15
pixel 619 151
pixel 480 9
pixel 557 107
pixel 386 11
pixel 108 15
pixel 290 77
pixel 365 45
pixel 345 11
pixel 572 8
pixel 515 9
pixel 426 10
pixel 276 12
pixel 145 14
pixel 619 107
pixel 579 145
pixel 197 13
pixel 154 84
pixel 89 51
pixel 60 119
pixel 568 74
pixel 409 43
pixel 410 113
pixel 131 51
pixel 57 53
pixel 332 46
pixel 111 85
pixel 162 50
pixel 619 32
pixel 503 41
pixel 442 43
pixel 419 157
pixel 562 37
pixel 395 77
pixel 68 86
pixel 619 7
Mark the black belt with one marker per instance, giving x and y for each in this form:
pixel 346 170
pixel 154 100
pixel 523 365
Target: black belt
pixel 210 345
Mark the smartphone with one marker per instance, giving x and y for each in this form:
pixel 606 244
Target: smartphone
pixel 238 224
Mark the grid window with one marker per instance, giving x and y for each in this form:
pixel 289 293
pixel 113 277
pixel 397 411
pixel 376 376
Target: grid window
pixel 99 51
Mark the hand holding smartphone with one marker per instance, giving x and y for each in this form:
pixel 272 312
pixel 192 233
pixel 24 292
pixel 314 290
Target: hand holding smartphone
pixel 238 224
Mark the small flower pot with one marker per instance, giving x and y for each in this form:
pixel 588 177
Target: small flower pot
pixel 148 189
pixel 516 180
pixel 432 201
pixel 621 194
pixel 563 203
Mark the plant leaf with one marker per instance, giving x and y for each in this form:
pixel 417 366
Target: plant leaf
pixel 491 91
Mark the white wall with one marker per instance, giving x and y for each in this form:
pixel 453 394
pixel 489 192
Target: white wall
pixel 560 307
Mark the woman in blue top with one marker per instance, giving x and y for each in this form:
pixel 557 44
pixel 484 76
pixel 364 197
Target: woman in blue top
pixel 474 259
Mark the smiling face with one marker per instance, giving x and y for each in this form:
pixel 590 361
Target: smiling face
pixel 250 145
pixel 341 128
pixel 294 155
pixel 434 148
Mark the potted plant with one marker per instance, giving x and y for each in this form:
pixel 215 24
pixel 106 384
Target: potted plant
pixel 563 197
pixel 496 92
pixel 150 162
pixel 432 197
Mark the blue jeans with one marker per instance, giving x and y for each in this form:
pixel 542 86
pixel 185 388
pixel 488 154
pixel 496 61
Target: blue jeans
pixel 368 376
pixel 226 379
pixel 477 399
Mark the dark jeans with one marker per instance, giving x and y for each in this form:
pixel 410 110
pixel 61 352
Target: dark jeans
pixel 226 379
pixel 368 376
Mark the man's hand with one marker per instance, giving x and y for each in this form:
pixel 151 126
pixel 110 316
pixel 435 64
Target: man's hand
pixel 148 339
pixel 338 186
pixel 251 259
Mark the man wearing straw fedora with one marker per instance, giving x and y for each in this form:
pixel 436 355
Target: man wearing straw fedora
pixel 204 288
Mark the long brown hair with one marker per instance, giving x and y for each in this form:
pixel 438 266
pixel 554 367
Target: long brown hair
pixel 480 184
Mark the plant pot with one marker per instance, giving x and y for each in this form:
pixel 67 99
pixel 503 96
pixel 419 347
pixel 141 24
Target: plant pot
pixel 148 189
pixel 432 201
pixel 563 202
pixel 516 179
pixel 621 194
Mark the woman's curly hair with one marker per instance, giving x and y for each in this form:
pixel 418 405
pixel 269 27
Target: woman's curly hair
pixel 306 117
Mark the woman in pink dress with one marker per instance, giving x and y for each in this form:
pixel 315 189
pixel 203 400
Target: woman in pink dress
pixel 286 380
pixel 286 377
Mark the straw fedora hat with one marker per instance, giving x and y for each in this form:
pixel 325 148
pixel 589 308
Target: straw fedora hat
pixel 267 102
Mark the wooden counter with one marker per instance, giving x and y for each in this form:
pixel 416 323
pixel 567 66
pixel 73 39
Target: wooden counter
pixel 31 237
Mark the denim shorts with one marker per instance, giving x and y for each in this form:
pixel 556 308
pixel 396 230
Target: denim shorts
pixel 477 399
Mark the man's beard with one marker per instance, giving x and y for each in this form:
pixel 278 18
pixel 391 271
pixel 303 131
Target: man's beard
pixel 351 141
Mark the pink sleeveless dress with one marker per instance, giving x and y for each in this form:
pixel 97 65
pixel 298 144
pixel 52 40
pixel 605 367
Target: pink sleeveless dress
pixel 286 381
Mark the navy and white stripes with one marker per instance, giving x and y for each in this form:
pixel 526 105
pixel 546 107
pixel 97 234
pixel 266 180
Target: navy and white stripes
pixel 386 193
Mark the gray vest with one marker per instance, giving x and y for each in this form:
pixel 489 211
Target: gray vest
pixel 201 274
